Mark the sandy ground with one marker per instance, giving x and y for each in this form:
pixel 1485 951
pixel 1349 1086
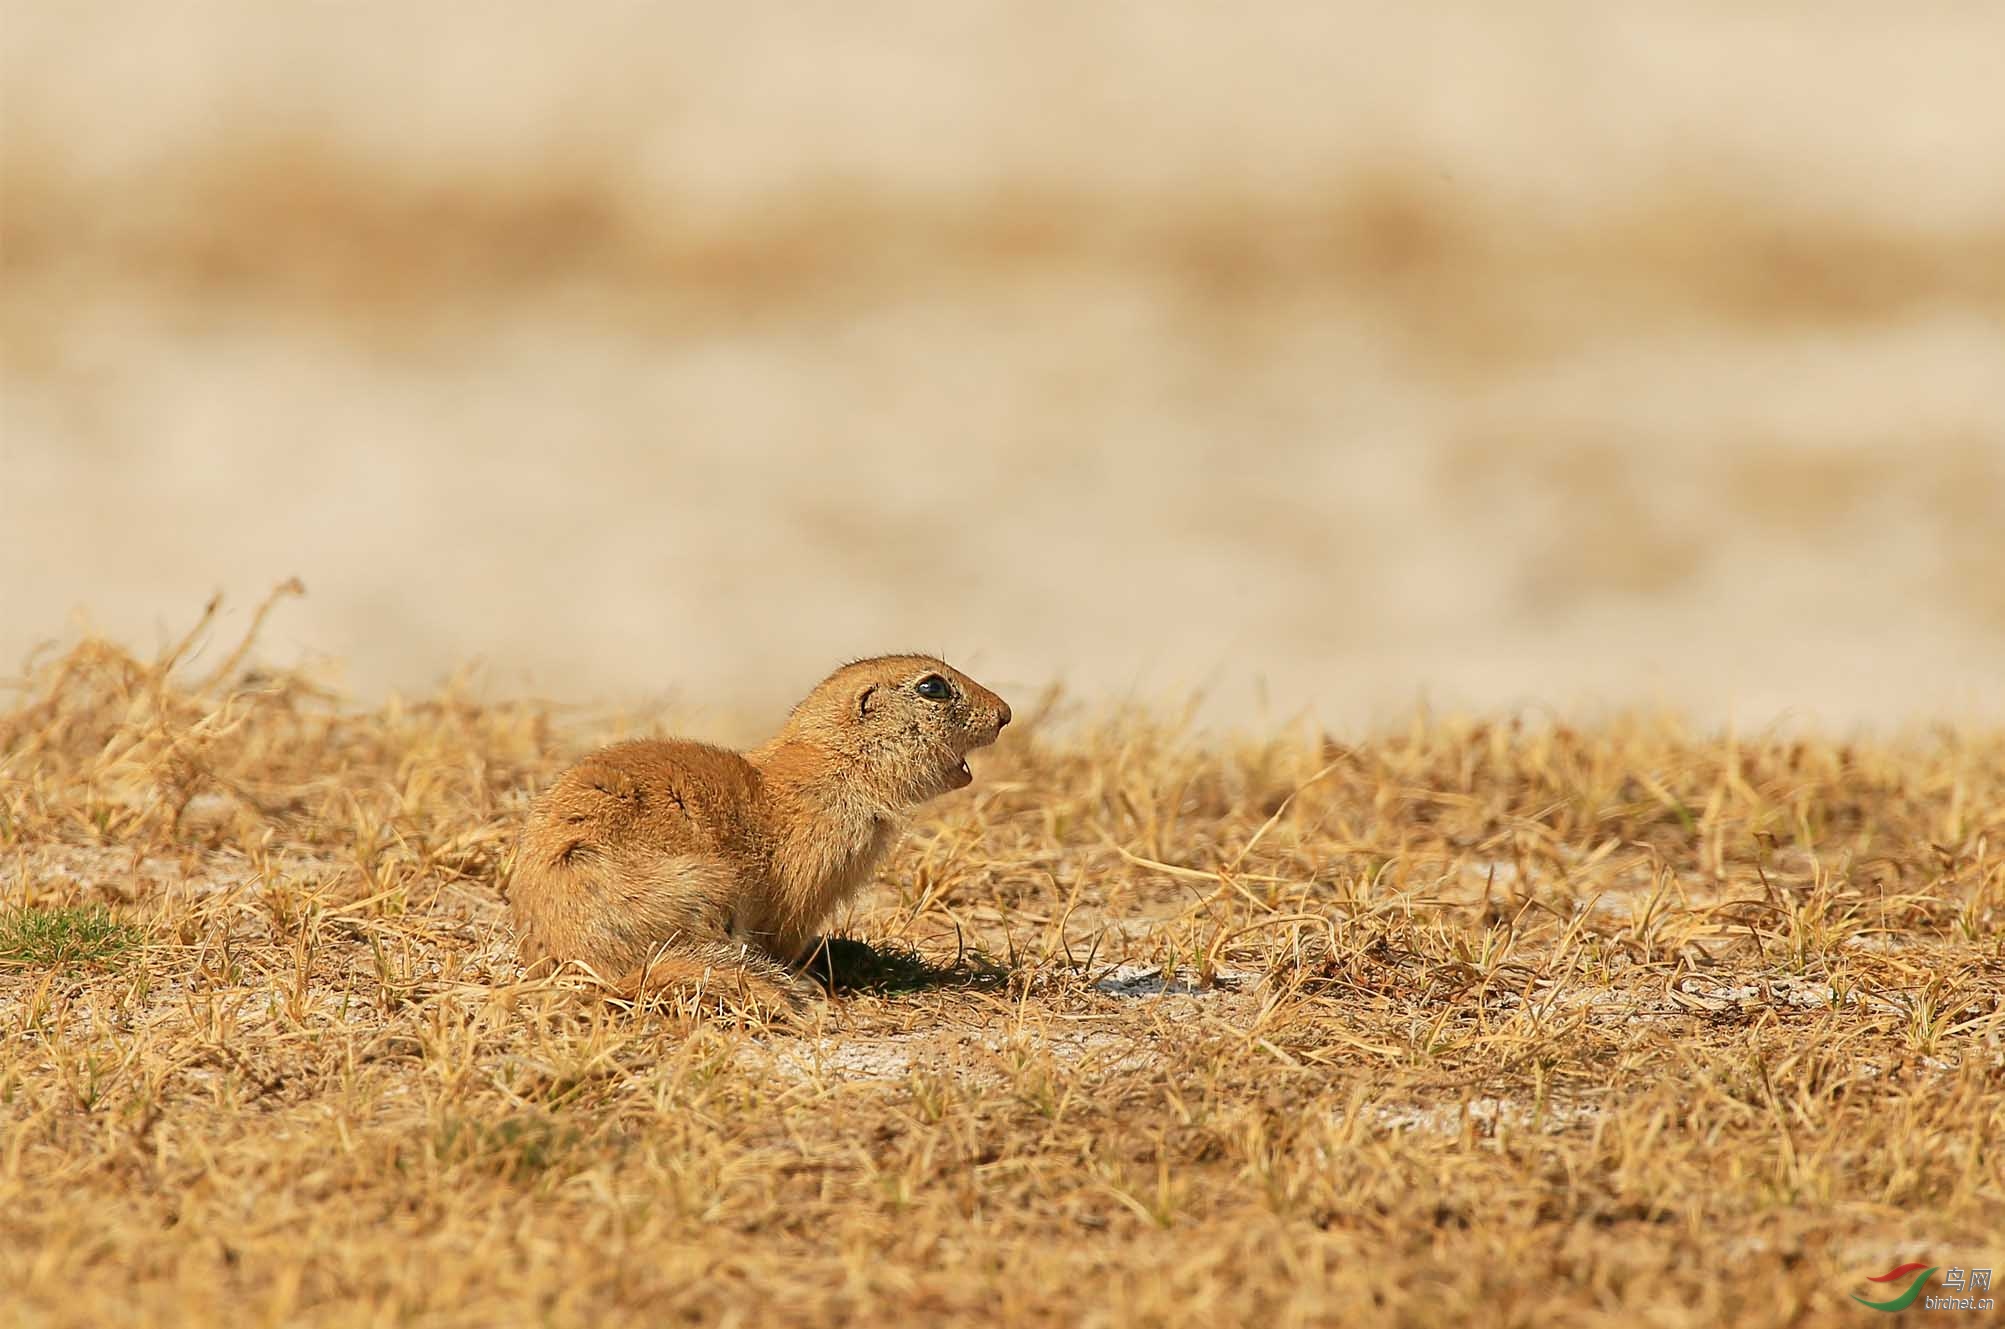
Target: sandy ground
pixel 1325 359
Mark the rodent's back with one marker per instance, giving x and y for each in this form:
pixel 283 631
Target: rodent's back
pixel 648 796
pixel 633 845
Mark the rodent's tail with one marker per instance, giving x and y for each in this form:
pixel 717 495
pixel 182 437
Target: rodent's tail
pixel 710 975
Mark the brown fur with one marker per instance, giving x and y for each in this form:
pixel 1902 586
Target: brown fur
pixel 667 865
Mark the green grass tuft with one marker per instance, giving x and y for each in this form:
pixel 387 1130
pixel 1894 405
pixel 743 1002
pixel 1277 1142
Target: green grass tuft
pixel 64 936
pixel 514 1148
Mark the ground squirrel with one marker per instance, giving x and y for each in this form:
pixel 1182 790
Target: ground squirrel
pixel 668 865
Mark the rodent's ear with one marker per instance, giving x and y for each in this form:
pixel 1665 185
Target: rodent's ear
pixel 863 700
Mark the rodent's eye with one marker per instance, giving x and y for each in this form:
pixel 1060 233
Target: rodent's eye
pixel 934 688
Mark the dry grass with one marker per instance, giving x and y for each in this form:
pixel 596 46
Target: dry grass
pixel 1493 1022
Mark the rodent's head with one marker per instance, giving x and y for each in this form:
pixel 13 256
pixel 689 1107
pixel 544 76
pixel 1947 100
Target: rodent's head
pixel 907 722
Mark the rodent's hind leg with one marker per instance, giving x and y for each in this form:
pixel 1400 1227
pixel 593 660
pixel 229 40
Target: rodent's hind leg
pixel 710 974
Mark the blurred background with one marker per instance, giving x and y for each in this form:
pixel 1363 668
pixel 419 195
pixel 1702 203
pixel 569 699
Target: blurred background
pixel 1326 358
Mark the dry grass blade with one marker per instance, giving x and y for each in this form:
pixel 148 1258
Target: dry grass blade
pixel 1488 1023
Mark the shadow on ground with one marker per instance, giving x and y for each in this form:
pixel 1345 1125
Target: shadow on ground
pixel 848 964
